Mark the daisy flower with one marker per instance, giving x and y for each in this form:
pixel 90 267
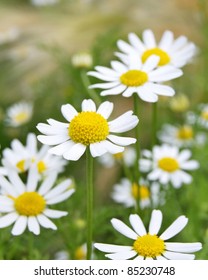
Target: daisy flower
pixel 20 157
pixel 149 245
pixel 175 52
pixel 167 164
pixel 88 128
pixel 181 136
pixel 128 193
pixel 27 205
pixel 128 157
pixel 19 114
pixel 179 103
pixel 82 60
pixel 136 77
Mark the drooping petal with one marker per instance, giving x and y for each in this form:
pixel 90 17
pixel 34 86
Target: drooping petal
pixel 60 149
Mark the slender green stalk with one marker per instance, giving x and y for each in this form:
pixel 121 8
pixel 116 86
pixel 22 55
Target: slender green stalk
pixel 89 175
pixel 154 124
pixel 91 92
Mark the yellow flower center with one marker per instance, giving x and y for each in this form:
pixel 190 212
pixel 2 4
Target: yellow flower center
pixel 29 204
pixel 141 192
pixel 134 78
pixel 185 133
pixel 21 165
pixel 164 57
pixel 88 128
pixel 204 115
pixel 168 164
pixel 80 254
pixel 149 246
pixel 21 117
pixel 41 166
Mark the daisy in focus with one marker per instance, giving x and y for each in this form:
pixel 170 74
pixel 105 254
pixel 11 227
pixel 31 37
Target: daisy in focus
pixel 19 114
pixel 136 77
pixel 27 205
pixel 88 128
pixel 175 52
pixel 21 158
pixel 181 136
pixel 128 193
pixel 149 245
pixel 167 164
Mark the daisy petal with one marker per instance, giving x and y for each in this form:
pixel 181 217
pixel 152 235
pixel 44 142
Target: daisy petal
pixel 178 256
pixel 8 219
pixel 174 228
pixel 136 42
pixel 149 39
pixel 190 165
pixel 47 183
pixel 137 224
pixel 54 213
pixel 88 106
pixel 114 91
pixel 123 229
pixel 76 151
pixel 101 76
pixel 112 148
pixel 126 255
pixel 166 40
pixel 109 248
pixel 60 197
pixel 53 139
pixel 155 222
pixel 97 149
pixel 105 85
pixel 60 188
pixel 61 148
pixel 183 247
pixel 33 225
pixel 20 225
pixel 45 222
pixel 32 179
pixel 150 63
pixel 120 140
pixel 68 111
pixel 125 122
pixel 105 109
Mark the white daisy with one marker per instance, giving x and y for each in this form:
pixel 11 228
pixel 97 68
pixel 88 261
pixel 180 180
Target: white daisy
pixel 202 118
pixel 27 205
pixel 88 128
pixel 82 60
pixel 181 136
pixel 19 114
pixel 149 245
pixel 167 164
pixel 127 157
pixel 176 52
pixel 128 193
pixel 20 157
pixel 137 77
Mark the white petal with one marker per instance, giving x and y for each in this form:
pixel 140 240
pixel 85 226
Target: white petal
pixel 76 151
pixel 32 179
pixel 149 39
pixel 106 71
pixel 102 77
pixel 53 139
pixel 177 226
pixel 176 179
pixel 154 175
pixel 186 178
pixel 57 124
pixel 179 43
pixel 32 143
pixel 105 85
pixel 166 40
pixel 129 91
pixel 105 109
pixel 178 256
pixel 190 165
pixel 184 155
pixel 45 222
pixel 147 96
pixel 119 67
pixel 125 47
pixel 60 197
pixel 164 73
pixel 7 187
pixel 183 247
pixel 8 219
pixel 122 141
pixel 60 149
pixel 60 188
pixel 161 258
pixel 112 148
pixel 122 255
pixel 20 225
pixel 6 204
pixel 68 111
pixel 98 149
pixel 88 105
pixel 48 129
pixel 47 183
pixel 54 213
pixel 109 248
pixel 16 181
pixel 33 225
pixel 151 63
pixel 155 222
pixel 123 229
pixel 160 89
pixel 137 224
pixel 136 42
pixel 123 123
pixel 139 258
pixel 114 91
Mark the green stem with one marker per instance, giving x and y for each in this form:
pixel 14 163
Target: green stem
pixel 91 92
pixel 89 170
pixel 154 124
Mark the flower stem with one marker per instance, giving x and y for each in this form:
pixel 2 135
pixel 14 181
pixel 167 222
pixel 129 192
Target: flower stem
pixel 154 124
pixel 95 97
pixel 89 171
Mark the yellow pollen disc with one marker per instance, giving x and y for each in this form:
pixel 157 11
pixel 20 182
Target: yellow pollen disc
pixel 80 254
pixel 134 78
pixel 21 165
pixel 118 156
pixel 149 246
pixel 168 164
pixel 135 190
pixel 141 192
pixel 21 117
pixel 164 57
pixel 88 128
pixel 41 166
pixel 185 132
pixel 29 204
pixel 204 115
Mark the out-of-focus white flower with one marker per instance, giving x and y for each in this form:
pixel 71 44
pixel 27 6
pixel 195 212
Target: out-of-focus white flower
pixel 19 114
pixel 82 60
pixel 179 103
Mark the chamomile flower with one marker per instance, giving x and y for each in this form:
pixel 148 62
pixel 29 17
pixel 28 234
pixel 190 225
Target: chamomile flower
pixel 127 157
pixel 175 52
pixel 149 245
pixel 128 193
pixel 88 128
pixel 202 118
pixel 19 114
pixel 136 77
pixel 82 60
pixel 27 205
pixel 21 158
pixel 181 136
pixel 167 164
